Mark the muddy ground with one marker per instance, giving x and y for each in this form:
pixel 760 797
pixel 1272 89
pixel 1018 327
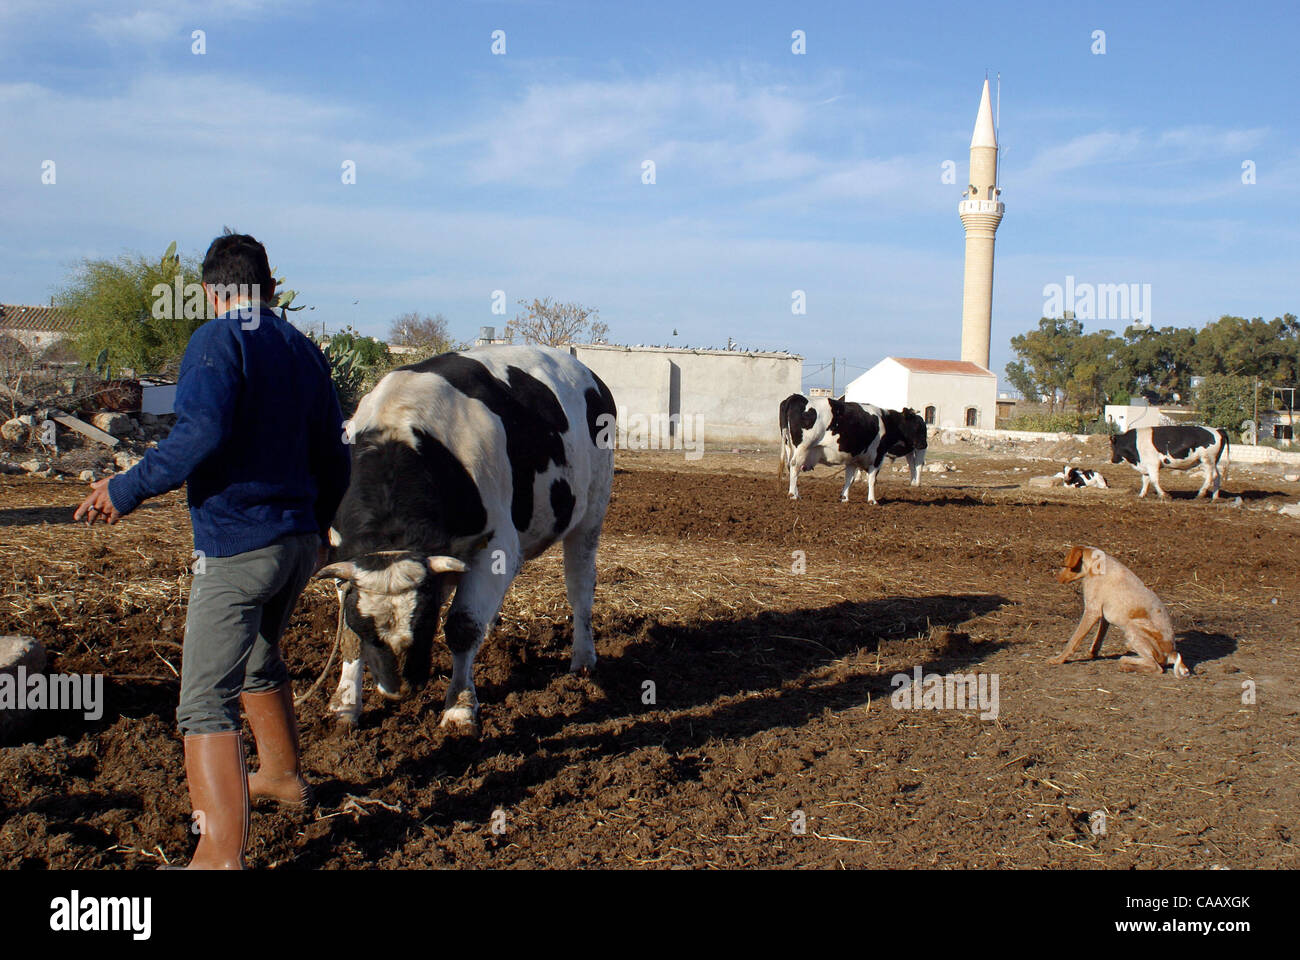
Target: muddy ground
pixel 771 688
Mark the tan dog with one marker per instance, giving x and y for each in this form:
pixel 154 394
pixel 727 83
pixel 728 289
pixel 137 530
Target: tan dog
pixel 1112 593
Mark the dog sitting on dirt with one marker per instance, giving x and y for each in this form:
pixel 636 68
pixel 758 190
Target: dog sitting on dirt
pixel 1113 594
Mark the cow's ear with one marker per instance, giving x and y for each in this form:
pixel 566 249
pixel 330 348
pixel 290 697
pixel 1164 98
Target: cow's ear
pixel 1074 559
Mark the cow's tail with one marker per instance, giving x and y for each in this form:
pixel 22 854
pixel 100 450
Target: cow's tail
pixel 1225 458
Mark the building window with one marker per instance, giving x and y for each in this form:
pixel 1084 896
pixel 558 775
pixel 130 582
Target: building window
pixel 930 414
pixel 972 417
pixel 1282 431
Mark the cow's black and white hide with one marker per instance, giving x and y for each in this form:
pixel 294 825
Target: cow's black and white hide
pixel 840 433
pixel 464 466
pixel 1147 449
pixel 1076 477
pixel 794 418
pixel 905 436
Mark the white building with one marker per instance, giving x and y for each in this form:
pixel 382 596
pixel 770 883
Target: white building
pixel 713 396
pixel 947 393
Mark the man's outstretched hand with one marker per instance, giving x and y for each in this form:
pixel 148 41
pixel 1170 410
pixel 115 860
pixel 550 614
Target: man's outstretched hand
pixel 97 506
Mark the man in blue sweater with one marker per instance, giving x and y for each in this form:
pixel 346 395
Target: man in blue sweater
pixel 259 441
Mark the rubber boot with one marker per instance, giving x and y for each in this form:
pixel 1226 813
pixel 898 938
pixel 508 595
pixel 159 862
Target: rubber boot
pixel 218 780
pixel 279 774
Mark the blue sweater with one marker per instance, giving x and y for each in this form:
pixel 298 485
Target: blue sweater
pixel 258 437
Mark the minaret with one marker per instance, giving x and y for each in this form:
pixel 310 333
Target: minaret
pixel 981 212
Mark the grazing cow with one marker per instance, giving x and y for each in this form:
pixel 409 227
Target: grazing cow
pixel 794 418
pixel 464 466
pixel 835 432
pixel 904 437
pixel 1147 449
pixel 1075 477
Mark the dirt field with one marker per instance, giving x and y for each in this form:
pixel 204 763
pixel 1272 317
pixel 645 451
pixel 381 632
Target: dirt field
pixel 771 688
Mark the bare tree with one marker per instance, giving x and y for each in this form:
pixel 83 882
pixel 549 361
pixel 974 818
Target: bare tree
pixel 556 324
pixel 427 335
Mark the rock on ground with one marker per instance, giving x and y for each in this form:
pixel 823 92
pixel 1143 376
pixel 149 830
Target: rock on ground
pixel 15 430
pixel 114 424
pixel 15 652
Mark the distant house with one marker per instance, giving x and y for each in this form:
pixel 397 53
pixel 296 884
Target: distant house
pixel 947 393
pixel 36 328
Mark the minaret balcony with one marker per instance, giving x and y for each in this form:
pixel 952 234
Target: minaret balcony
pixel 994 207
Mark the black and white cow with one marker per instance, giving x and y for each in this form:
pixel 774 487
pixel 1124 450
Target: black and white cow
pixel 835 432
pixel 1147 449
pixel 794 419
pixel 905 436
pixel 1076 477
pixel 464 466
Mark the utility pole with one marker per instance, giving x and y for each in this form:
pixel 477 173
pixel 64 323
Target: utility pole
pixel 832 376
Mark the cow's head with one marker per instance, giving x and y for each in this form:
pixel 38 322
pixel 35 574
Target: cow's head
pixel 1123 446
pixel 914 428
pixel 392 601
pixel 1081 562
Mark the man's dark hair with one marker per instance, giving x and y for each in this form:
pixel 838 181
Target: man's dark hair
pixel 236 258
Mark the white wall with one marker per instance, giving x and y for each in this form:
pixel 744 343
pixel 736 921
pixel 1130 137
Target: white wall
pixel 952 395
pixel 733 396
pixel 1125 416
pixel 884 385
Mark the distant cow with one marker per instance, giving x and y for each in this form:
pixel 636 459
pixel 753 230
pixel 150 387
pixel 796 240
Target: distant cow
pixel 1147 449
pixel 835 432
pixel 794 418
pixel 464 466
pixel 1075 477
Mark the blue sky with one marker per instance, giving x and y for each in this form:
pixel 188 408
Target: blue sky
pixel 775 172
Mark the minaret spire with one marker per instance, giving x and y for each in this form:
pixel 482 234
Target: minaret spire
pixel 981 212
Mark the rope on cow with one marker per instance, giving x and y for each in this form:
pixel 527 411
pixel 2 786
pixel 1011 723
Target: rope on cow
pixel 338 638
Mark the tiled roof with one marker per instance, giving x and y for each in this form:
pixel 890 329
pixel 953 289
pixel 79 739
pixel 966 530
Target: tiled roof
pixel 961 367
pixel 16 317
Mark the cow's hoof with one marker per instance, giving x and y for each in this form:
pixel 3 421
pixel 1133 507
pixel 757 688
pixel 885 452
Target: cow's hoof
pixel 794 496
pixel 461 720
pixel 583 668
pixel 346 718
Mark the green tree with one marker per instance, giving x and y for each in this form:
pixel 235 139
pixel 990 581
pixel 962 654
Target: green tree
pixel 370 351
pixel 1266 349
pixel 1045 355
pixel 1096 372
pixel 124 318
pixel 1226 401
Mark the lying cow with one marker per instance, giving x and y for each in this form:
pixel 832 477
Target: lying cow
pixel 1076 477
pixel 464 466
pixel 1147 449
pixel 835 432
